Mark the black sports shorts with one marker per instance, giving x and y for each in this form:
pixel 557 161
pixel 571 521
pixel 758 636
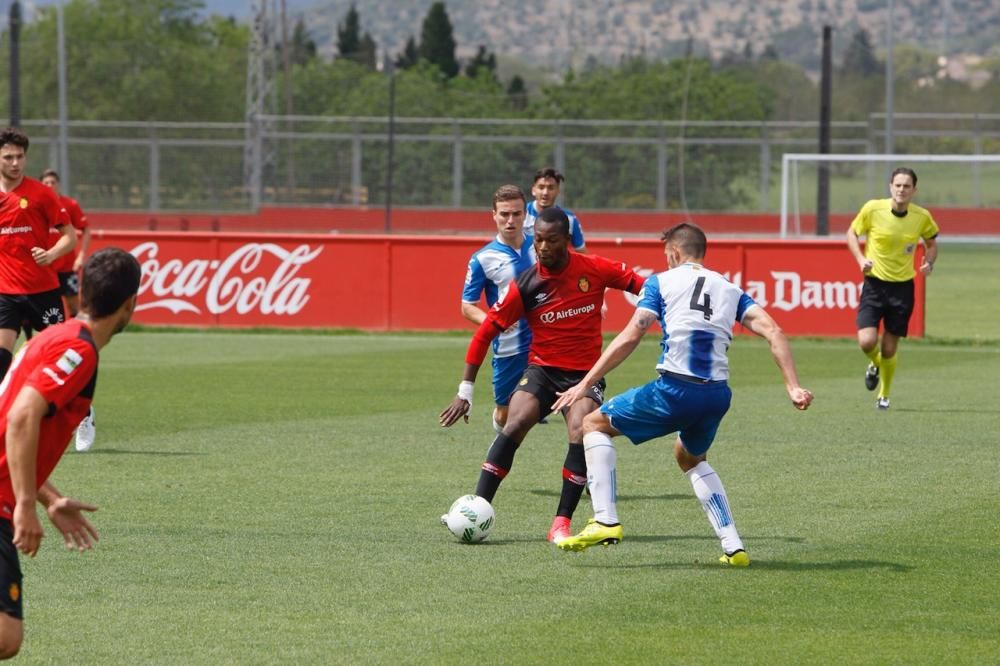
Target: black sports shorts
pixel 11 596
pixel 544 382
pixel 39 310
pixel 888 302
pixel 69 283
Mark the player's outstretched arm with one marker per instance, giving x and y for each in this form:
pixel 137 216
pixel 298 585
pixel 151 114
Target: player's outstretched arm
pixel 461 404
pixel 23 424
pixel 760 322
pixel 66 514
pixel 620 349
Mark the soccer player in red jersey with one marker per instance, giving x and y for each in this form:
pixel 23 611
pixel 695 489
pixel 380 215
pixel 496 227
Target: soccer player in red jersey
pixel 44 396
pixel 67 267
pixel 561 298
pixel 29 289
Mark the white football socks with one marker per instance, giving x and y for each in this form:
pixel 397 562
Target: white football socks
pixel 601 476
pixel 711 494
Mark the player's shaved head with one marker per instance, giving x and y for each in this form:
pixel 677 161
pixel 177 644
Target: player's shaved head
pixel 556 216
pixel 687 238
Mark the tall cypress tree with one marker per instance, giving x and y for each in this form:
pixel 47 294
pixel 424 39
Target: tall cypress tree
pixel 349 35
pixel 437 41
pixel 409 55
pixel 859 58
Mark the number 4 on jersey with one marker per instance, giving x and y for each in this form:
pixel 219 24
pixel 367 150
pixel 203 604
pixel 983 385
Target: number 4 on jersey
pixel 705 307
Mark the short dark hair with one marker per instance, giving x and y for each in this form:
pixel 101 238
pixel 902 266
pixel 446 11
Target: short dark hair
pixel 903 170
pixel 688 238
pixel 555 215
pixel 548 172
pixel 110 277
pixel 14 136
pixel 49 173
pixel 509 193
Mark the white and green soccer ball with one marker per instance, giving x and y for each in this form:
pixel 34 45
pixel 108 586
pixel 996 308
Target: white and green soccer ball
pixel 470 518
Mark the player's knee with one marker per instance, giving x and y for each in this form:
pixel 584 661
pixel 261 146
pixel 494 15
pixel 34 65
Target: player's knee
pixel 10 643
pixel 685 460
pixel 595 421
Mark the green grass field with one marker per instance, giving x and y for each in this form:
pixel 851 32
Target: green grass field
pixel 274 498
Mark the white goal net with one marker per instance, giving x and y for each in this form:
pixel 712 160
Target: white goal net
pixel 943 182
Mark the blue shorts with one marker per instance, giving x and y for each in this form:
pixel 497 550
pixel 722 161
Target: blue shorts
pixel 506 373
pixel 692 409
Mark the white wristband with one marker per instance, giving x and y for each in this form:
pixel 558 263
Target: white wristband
pixel 465 391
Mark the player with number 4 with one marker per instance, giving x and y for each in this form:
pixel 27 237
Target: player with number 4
pixel 697 309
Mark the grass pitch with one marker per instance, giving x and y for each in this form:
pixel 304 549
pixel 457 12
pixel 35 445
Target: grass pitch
pixel 275 499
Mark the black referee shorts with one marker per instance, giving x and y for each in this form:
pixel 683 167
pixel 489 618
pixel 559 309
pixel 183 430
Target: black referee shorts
pixel 888 302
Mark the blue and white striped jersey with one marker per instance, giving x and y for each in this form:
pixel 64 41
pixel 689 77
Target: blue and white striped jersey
pixel 575 230
pixel 491 270
pixel 697 309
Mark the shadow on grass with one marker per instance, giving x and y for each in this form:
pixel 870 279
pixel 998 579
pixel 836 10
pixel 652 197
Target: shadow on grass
pixel 772 565
pixel 621 498
pixel 664 538
pixel 950 410
pixel 133 452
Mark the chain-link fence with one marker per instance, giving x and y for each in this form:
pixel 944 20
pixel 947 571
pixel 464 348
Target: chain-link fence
pixel 457 163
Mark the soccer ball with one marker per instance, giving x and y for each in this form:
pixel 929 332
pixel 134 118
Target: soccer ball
pixel 470 518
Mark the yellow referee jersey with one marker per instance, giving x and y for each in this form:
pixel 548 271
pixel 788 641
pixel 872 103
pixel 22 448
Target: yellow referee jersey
pixel 891 241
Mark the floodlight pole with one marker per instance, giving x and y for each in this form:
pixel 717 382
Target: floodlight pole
pixel 15 64
pixel 64 172
pixel 889 36
pixel 825 103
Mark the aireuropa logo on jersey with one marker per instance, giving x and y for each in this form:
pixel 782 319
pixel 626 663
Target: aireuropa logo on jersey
pixel 551 317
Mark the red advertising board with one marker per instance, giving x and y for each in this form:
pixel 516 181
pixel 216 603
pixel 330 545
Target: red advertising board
pixel 385 283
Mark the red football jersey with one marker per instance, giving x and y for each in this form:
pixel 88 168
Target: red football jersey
pixel 61 364
pixel 78 219
pixel 563 310
pixel 26 214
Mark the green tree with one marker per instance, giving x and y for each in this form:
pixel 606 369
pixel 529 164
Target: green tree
pixel 303 48
pixel 349 35
pixel 518 93
pixel 154 60
pixel 859 58
pixel 368 52
pixel 409 56
pixel 437 41
pixel 483 60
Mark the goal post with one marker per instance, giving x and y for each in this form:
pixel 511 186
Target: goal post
pixel 964 188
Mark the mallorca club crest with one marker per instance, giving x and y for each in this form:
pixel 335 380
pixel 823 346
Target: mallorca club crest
pixel 584 284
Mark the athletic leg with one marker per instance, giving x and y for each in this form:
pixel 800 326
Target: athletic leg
pixel 710 492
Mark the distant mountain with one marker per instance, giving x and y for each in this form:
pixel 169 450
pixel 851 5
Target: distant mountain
pixel 556 33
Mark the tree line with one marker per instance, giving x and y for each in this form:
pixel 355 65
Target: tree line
pixel 164 60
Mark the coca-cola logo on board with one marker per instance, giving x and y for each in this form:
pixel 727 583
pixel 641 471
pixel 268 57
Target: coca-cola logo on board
pixel 244 281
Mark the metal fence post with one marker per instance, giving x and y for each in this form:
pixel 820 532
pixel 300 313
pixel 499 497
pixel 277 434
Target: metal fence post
pixel 356 165
pixel 765 167
pixel 661 169
pixel 977 169
pixel 154 169
pixel 456 168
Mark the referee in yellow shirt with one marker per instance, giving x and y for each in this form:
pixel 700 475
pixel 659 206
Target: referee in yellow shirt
pixel 893 227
